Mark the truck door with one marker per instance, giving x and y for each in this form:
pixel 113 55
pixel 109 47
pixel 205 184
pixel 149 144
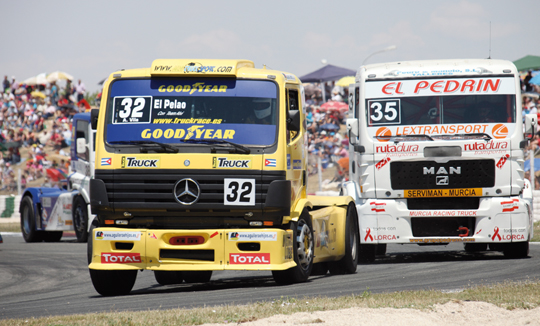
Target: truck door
pixel 296 157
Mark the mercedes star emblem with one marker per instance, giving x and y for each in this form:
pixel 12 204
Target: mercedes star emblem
pixel 186 191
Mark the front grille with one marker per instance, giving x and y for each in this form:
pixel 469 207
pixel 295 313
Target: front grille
pixel 443 203
pixel 153 189
pixel 442 226
pixel 452 174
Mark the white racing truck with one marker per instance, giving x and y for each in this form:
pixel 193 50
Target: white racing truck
pixel 436 156
pixel 46 212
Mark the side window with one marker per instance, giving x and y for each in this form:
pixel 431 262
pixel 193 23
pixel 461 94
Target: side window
pixel 81 131
pixel 293 103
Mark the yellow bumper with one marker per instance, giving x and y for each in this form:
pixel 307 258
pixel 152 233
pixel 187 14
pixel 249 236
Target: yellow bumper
pixel 192 250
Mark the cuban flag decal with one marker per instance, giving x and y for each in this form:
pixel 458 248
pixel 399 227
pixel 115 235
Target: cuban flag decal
pixel 106 161
pixel 270 162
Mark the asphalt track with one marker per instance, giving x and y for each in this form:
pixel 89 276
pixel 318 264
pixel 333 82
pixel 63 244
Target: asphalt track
pixel 47 279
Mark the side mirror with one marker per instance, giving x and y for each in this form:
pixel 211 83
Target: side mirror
pixel 293 120
pixel 531 121
pixel 81 145
pixel 94 118
pixel 352 129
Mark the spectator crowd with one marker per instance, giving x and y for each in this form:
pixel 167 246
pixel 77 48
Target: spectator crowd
pixel 36 120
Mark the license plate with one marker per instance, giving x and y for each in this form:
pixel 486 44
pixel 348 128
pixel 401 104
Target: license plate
pixel 461 192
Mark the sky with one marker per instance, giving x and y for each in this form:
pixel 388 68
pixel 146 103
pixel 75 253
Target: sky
pixel 91 39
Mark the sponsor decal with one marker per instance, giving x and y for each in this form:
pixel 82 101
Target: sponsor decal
pixel 297 164
pixel 214 234
pixel 251 258
pixel 379 207
pixel 460 192
pixel 499 131
pixel 106 161
pixel 153 236
pixel 368 234
pixel 288 161
pixel 442 129
pixel 190 89
pixel 502 161
pixel 442 240
pixel 270 162
pixel 253 236
pixel 193 132
pixel 496 234
pixel 133 162
pixel 483 146
pixel 378 237
pixel 510 205
pixel 442 213
pixel 289 76
pixel 46 202
pixel 120 258
pixel 223 162
pixel 382 163
pixel 383 134
pixel 393 149
pixel 118 235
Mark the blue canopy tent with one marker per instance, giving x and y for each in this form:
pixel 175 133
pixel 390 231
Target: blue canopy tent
pixel 327 73
pixel 527 165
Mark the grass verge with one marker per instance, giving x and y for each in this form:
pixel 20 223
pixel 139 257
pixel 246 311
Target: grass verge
pixel 508 295
pixel 10 227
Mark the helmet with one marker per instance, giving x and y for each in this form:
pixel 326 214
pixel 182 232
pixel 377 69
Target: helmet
pixel 262 107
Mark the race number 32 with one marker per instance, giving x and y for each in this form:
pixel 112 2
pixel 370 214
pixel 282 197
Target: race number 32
pixel 240 192
pixel 134 109
pixel 383 112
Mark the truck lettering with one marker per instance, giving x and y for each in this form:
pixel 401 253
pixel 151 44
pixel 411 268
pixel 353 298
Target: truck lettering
pixel 261 258
pixel 120 258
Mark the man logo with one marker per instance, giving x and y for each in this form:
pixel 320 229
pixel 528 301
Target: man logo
pixel 442 180
pixel 383 134
pixel 499 131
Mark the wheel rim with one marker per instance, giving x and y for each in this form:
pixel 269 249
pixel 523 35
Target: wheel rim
pixel 79 220
pixel 305 244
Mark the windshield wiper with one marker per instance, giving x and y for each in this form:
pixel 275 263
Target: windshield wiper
pixel 477 135
pixel 238 148
pixel 144 149
pixel 396 139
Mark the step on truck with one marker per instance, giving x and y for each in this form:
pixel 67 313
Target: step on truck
pixel 201 168
pixel 436 156
pixel 46 212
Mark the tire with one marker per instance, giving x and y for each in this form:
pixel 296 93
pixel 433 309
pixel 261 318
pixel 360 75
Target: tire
pixel 381 250
pixel 28 221
pixel 52 236
pixel 303 252
pixel 516 250
pixel 475 247
pixel 319 269
pixel 366 253
pixel 349 263
pixel 80 219
pixel 197 276
pixel 110 283
pixel 168 278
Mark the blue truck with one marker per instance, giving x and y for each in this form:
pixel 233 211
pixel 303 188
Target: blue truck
pixel 46 212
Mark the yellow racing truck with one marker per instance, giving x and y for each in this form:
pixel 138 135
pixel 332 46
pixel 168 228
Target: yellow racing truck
pixel 201 166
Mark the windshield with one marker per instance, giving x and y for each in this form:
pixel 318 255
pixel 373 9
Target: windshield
pixel 173 111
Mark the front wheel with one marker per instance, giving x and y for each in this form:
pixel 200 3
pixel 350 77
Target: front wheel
pixel 80 219
pixel 303 251
pixel 28 221
pixel 109 283
pixel 349 263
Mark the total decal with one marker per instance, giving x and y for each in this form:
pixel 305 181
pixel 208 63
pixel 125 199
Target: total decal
pixel 507 234
pixel 441 87
pixel 378 237
pixel 249 259
pixel 496 130
pixel 120 258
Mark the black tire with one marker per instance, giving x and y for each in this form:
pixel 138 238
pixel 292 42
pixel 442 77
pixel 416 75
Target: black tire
pixel 381 250
pixel 349 263
pixel 109 283
pixel 366 253
pixel 303 252
pixel 80 219
pixel 319 269
pixel 516 250
pixel 197 276
pixel 28 221
pixel 168 277
pixel 52 236
pixel 475 247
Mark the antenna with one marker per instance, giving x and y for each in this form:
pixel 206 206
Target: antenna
pixel 489 57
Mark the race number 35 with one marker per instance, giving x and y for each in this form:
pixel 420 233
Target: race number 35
pixel 384 112
pixel 134 109
pixel 239 192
